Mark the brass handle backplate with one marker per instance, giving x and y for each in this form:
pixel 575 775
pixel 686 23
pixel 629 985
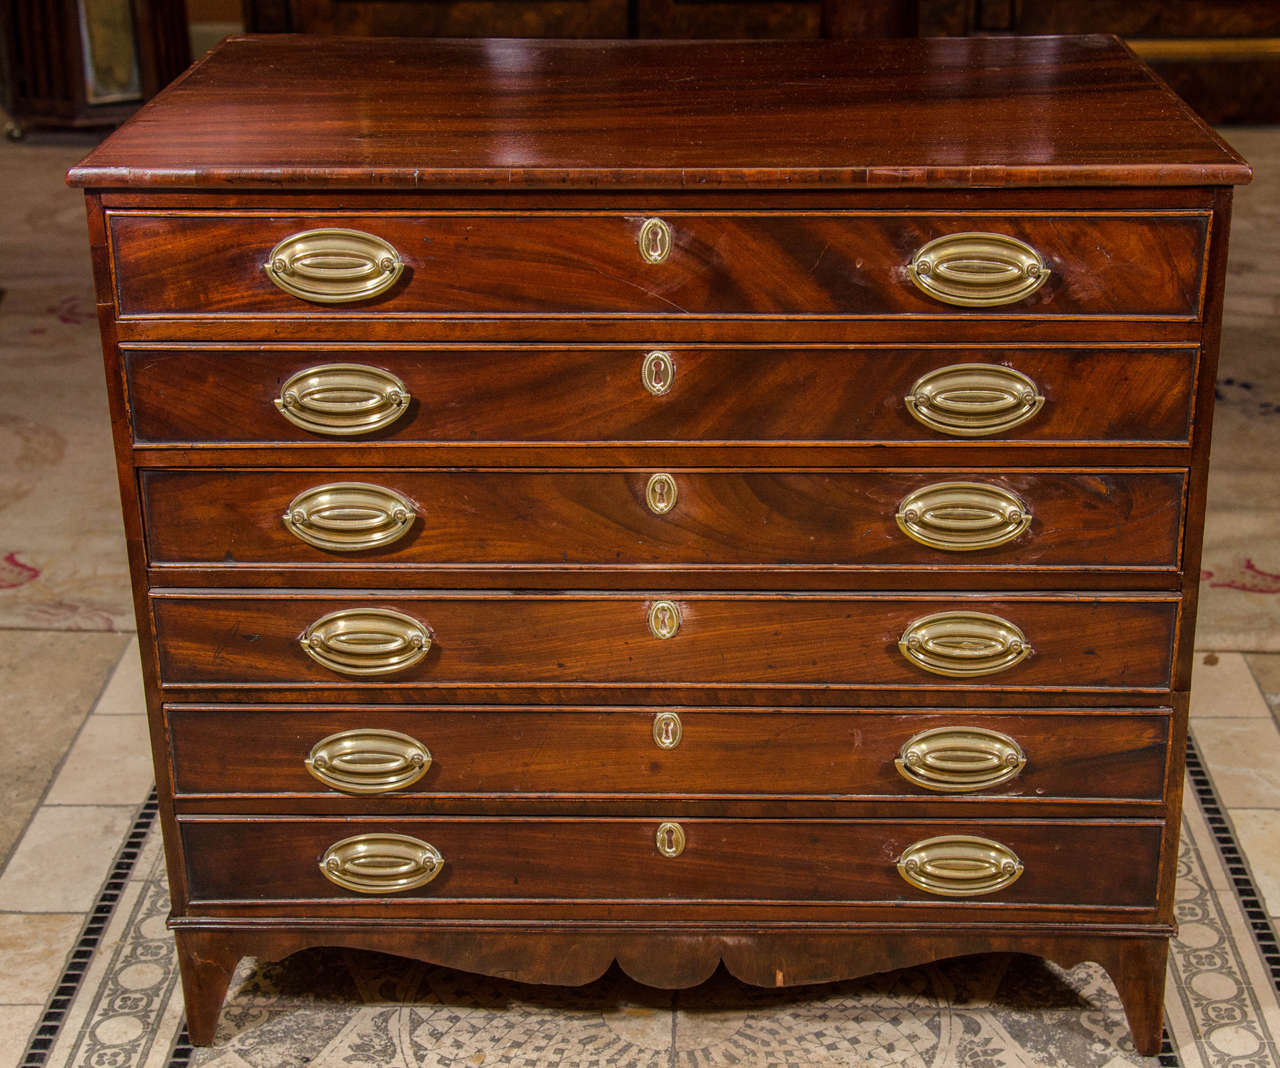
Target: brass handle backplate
pixel 978 270
pixel 959 760
pixel 333 266
pixel 381 863
pixel 342 400
pixel 959 865
pixel 368 761
pixel 664 619
pixel 962 516
pixel 661 493
pixel 973 400
pixel 654 240
pixel 667 730
pixel 670 839
pixel 658 372
pixel 349 517
pixel 366 641
pixel 964 644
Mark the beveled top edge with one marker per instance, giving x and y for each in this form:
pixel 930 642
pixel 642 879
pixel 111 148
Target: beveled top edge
pixel 490 114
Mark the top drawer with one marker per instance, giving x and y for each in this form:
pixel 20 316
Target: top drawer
pixel 679 264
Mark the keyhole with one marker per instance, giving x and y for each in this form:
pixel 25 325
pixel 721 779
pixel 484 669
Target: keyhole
pixel 660 494
pixel 657 373
pixel 655 240
pixel 667 730
pixel 664 619
pixel 670 839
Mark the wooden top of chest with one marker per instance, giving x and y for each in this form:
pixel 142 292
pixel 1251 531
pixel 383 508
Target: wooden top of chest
pixel 313 113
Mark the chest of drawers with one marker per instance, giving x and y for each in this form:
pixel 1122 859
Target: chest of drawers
pixel 673 503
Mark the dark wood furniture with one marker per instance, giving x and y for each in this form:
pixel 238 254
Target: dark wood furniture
pixel 666 502
pixel 64 67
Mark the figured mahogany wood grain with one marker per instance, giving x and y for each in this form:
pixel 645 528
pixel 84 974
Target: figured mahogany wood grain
pixel 584 640
pixel 611 859
pixel 611 752
pixel 807 264
pixel 762 394
pixel 637 114
pixel 1099 519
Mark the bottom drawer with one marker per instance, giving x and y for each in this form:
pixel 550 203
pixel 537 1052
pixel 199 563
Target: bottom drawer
pixel 583 860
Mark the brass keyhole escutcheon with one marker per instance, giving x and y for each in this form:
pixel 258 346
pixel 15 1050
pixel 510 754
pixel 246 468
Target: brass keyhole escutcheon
pixel 658 372
pixel 660 494
pixel 670 839
pixel 667 730
pixel 664 619
pixel 655 241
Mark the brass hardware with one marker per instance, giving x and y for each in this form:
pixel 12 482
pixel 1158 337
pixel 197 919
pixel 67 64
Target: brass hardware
pixel 959 865
pixel 333 266
pixel 670 839
pixel 978 270
pixel 1204 49
pixel 381 863
pixel 368 761
pixel 664 619
pixel 973 400
pixel 655 240
pixel 959 760
pixel 962 516
pixel 658 372
pixel 349 517
pixel 341 400
pixel 667 730
pixel 366 641
pixel 964 644
pixel 660 493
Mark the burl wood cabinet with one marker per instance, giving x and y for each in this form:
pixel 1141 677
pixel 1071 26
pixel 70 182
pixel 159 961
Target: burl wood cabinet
pixel 666 502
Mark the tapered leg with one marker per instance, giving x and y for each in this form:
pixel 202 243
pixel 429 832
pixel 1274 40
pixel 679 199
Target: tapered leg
pixel 207 960
pixel 1137 967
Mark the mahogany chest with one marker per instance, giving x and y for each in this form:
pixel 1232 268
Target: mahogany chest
pixel 665 502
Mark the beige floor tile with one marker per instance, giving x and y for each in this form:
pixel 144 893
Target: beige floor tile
pixel 52 679
pixel 1266 671
pixel 34 948
pixel 62 860
pixel 16 1024
pixel 123 695
pixel 1258 830
pixel 1243 758
pixel 110 764
pixel 1223 685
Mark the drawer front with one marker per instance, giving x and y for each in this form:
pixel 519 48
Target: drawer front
pixel 643 518
pixel 665 394
pixel 676 753
pixel 613 640
pixel 806 264
pixel 553 859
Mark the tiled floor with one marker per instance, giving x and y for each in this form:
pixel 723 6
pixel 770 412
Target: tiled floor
pixel 53 875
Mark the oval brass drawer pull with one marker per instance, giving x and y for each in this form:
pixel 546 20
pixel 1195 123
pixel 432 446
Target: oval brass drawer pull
pixel 978 270
pixel 368 761
pixel 349 517
pixel 959 865
pixel 381 863
pixel 341 400
pixel 973 400
pixel 661 493
pixel 962 516
pixel 654 240
pixel 333 266
pixel 366 641
pixel 958 760
pixel 963 644
pixel 670 839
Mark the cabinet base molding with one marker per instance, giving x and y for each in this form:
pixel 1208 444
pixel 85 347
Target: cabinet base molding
pixel 1135 958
